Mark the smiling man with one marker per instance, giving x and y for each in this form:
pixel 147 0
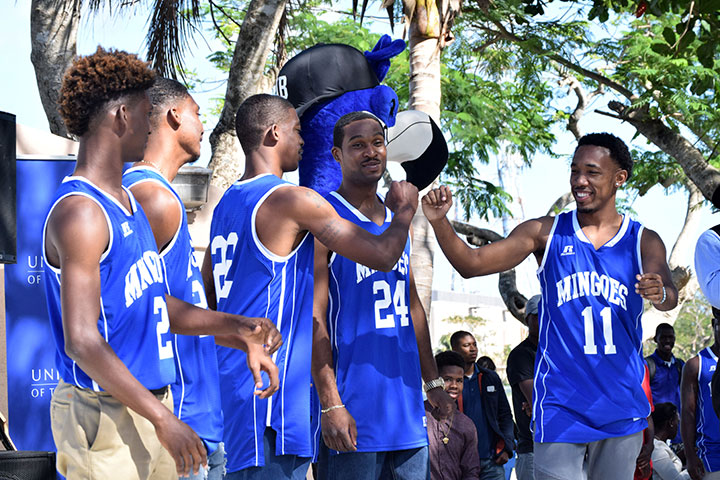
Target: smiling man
pixel 595 268
pixel 665 369
pixel 453 440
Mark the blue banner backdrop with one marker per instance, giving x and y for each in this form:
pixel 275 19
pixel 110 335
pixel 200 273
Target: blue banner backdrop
pixel 30 346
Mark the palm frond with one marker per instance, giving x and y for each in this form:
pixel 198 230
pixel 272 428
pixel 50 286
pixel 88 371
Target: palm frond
pixel 169 30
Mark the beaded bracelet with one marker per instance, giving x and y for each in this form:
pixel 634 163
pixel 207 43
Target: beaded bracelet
pixel 330 409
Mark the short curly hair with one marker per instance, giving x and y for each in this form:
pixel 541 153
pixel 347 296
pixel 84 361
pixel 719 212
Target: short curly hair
pixel 618 150
pixel 94 80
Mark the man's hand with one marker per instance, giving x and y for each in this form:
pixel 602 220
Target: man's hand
pixel 339 430
pixel 643 460
pixel 527 408
pixel 503 458
pixel 441 402
pixel 436 203
pixel 261 331
pixel 650 287
pixel 402 195
pixel 695 467
pixel 259 361
pixel 182 442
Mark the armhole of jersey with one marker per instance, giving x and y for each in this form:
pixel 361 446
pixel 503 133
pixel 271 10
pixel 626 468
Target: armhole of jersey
pixel 262 248
pixel 172 241
pixel 641 230
pixel 332 258
pixel 699 367
pixel 107 220
pixel 547 244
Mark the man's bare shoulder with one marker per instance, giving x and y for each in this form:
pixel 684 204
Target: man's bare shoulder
pixel 294 201
pixel 155 199
pixel 76 224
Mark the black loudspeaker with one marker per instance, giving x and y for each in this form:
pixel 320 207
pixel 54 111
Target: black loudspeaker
pixel 8 189
pixel 27 466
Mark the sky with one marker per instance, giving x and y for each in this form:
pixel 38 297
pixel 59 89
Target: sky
pixel 538 185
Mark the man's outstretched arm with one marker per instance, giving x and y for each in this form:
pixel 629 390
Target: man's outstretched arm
pixel 301 209
pixel 526 238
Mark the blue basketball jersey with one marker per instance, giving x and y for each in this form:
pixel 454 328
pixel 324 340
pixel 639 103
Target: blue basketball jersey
pixel 133 314
pixel 375 352
pixel 196 391
pixel 589 365
pixel 708 425
pixel 251 280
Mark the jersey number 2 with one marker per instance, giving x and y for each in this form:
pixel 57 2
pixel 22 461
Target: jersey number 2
pixel 387 298
pixel 590 346
pixel 165 350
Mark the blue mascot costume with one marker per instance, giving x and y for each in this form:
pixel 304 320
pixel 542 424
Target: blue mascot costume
pixel 321 99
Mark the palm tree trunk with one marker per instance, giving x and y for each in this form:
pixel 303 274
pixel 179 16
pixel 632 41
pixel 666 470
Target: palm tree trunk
pixel 251 51
pixel 53 37
pixel 425 96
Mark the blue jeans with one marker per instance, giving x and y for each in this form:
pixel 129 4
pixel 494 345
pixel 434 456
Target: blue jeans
pixel 524 469
pixel 277 467
pixel 489 470
pixel 215 468
pixel 412 464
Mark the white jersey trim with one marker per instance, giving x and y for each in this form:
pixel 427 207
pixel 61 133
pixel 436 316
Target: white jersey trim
pixel 360 216
pixel 547 245
pixel 133 205
pixel 182 378
pixel 638 247
pixel 262 248
pixel 610 243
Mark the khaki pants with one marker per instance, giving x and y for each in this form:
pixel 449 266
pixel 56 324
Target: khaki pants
pixel 98 437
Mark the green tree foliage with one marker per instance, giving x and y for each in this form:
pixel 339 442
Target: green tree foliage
pixel 661 66
pixel 487 106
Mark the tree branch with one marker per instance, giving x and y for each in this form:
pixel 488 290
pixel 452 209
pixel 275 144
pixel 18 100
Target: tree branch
pixel 705 176
pixel 601 79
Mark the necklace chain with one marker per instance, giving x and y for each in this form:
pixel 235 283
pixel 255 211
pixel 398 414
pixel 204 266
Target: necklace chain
pixel 446 438
pixel 152 165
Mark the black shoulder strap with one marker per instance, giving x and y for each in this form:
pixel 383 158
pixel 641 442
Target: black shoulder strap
pixel 716 229
pixel 651 366
pixel 679 364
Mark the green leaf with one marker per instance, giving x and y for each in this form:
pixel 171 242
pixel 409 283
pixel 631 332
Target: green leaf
pixel 669 36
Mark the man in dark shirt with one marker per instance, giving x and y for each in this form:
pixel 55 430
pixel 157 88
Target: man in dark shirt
pixel 485 402
pixel 520 373
pixel 453 440
pixel 665 369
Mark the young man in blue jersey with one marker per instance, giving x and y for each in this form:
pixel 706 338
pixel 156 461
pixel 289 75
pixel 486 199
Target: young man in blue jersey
pixel 111 318
pixel 699 426
pixel 176 134
pixel 484 401
pixel 260 259
pixel 371 347
pixel 665 369
pixel 596 268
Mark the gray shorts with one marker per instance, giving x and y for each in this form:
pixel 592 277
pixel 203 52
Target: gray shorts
pixel 612 458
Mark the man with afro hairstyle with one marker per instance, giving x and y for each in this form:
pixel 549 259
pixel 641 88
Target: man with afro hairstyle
pixel 111 412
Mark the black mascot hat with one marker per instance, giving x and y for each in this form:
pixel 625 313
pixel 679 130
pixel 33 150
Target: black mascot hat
pixel 323 72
